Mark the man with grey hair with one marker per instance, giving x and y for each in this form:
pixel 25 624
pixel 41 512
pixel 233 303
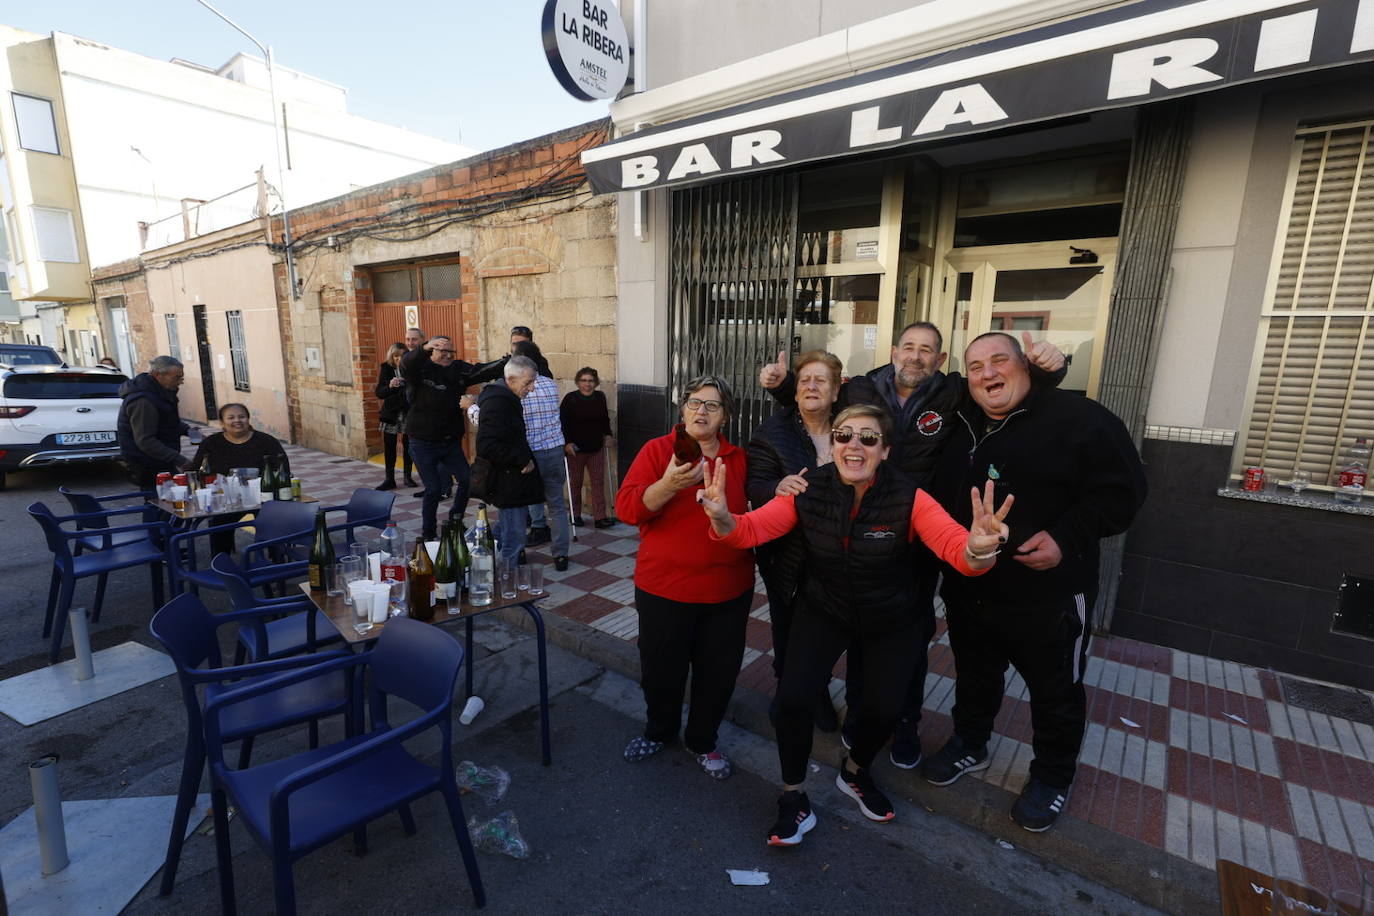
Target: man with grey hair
pixel 149 427
pixel 501 441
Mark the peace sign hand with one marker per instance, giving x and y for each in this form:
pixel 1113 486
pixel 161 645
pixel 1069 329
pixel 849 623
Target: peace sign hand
pixel 712 499
pixel 989 530
pixel 772 374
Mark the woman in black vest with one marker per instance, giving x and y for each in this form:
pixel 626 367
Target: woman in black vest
pixel 391 391
pixel 859 522
pixel 795 440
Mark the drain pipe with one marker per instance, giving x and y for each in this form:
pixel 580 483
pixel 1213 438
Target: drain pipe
pixel 81 641
pixel 47 811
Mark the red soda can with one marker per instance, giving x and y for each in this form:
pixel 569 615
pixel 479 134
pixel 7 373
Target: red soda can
pixel 1254 480
pixel 179 480
pixel 163 478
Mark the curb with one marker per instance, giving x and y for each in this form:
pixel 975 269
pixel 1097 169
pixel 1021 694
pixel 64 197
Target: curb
pixel 1139 870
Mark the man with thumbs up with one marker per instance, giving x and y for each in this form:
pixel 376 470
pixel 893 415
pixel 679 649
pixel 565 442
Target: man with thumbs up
pixel 922 401
pixel 1077 478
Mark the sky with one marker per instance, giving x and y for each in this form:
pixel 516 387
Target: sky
pixel 467 71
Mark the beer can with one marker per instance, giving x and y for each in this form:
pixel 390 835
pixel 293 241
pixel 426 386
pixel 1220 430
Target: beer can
pixel 296 489
pixel 1254 480
pixel 163 477
pixel 180 480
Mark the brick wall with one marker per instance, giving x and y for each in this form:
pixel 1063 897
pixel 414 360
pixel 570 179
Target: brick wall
pixel 127 279
pixel 534 248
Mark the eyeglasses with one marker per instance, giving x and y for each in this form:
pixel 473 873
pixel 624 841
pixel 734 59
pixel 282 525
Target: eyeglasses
pixel 867 437
pixel 708 406
pixel 446 352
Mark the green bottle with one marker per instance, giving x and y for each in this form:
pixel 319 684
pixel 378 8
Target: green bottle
pixel 321 554
pixel 447 574
pixel 460 551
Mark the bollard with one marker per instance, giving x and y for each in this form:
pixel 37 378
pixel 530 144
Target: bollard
pixel 47 811
pixel 81 641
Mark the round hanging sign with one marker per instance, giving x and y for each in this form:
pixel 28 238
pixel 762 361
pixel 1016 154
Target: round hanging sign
pixel 587 48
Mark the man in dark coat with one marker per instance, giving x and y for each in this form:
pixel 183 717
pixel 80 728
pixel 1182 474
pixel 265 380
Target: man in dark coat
pixel 514 480
pixel 1077 478
pixel 149 428
pixel 436 422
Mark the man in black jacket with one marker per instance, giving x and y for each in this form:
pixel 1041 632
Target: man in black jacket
pixel 149 428
pixel 435 422
pixel 514 481
pixel 1077 478
pixel 922 401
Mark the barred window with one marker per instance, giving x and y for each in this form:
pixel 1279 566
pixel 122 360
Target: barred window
pixel 238 350
pixel 173 339
pixel 1313 383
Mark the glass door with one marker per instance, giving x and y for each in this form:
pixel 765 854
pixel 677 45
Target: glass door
pixel 1058 292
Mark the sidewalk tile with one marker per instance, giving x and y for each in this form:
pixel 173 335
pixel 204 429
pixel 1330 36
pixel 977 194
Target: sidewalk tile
pixel 1358 826
pixel 1329 816
pixel 1113 750
pixel 1230 842
pixel 1203 840
pixel 1253 686
pixel 1345 737
pixel 1256 847
pixel 1224 787
pixel 1133 758
pixel 1234 680
pixel 1301 726
pixel 1365 734
pixel 1304 816
pixel 1278 720
pixel 1156 764
pixel 1221 740
pixel 1176 834
pixel 1287 861
pixel 1266 759
pixel 1126 818
pixel 1094 737
pixel 1242 746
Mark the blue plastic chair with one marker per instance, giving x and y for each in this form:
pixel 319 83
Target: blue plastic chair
pixel 294 806
pixel 301 627
pixel 100 513
pixel 68 565
pixel 277 527
pixel 366 508
pixel 187 630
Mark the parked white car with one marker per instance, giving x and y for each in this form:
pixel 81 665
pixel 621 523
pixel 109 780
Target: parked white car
pixel 57 415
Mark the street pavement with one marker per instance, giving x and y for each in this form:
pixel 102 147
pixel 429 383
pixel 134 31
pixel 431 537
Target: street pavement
pixel 1187 760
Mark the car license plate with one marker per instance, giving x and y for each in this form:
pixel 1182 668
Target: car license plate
pixel 83 438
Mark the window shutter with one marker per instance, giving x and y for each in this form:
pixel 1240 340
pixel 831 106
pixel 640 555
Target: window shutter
pixel 1314 386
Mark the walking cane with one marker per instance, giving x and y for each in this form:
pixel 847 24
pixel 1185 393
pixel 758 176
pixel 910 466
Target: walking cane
pixel 567 485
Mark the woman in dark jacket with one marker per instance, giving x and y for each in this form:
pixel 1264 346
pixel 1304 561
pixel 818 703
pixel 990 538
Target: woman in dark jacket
pixel 238 445
pixel 391 389
pixel 861 523
pixel 790 443
pixel 513 479
pixel 587 430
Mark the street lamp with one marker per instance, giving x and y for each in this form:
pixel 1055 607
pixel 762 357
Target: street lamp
pixel 276 137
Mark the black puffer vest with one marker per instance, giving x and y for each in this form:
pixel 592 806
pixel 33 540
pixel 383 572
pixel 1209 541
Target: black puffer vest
pixel 144 385
pixel 869 584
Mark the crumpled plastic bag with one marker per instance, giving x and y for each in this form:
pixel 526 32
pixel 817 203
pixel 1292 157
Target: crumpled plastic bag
pixel 500 834
pixel 487 783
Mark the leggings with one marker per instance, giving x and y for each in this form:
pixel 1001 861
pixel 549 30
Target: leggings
pixel 815 643
pixel 389 453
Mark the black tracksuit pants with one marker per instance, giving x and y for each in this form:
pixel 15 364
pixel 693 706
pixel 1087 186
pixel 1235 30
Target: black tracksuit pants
pixel 708 639
pixel 1048 645
pixel 814 645
pixel 914 693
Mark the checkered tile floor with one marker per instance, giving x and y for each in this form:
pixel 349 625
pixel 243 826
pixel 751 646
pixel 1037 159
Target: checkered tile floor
pixel 1193 755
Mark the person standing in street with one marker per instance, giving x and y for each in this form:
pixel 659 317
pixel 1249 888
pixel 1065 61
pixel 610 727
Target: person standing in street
pixel 587 429
pixel 149 428
pixel 503 443
pixel 435 422
pixel 391 391
pixel 1077 478
pixel 545 433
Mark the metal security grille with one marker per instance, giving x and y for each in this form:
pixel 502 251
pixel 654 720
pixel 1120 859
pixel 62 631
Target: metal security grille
pixel 238 350
pixel 1314 383
pixel 733 277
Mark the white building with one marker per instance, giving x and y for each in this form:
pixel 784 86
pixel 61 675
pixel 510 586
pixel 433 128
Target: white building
pixel 105 153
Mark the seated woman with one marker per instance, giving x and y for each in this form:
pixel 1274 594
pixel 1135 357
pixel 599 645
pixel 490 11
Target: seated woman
pixel 859 520
pixel 239 445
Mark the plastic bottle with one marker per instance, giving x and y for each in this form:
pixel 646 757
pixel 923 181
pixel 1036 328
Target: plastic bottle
pixel 393 554
pixel 1354 473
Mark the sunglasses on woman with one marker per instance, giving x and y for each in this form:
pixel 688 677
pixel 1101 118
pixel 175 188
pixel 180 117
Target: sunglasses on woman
pixel 867 437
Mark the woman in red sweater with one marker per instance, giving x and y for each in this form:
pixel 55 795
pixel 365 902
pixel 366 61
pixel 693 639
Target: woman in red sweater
pixel 861 523
pixel 693 593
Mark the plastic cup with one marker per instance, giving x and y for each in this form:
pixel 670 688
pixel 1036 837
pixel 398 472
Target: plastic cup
pixel 381 601
pixel 205 499
pixel 536 573
pixel 374 566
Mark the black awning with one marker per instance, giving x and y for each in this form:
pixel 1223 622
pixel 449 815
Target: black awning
pixel 1122 57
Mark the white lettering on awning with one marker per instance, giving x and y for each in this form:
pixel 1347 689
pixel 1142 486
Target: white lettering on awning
pixel 1285 40
pixel 969 104
pixel 640 170
pixel 1363 39
pixel 694 159
pixel 1172 64
pixel 755 146
pixel 864 129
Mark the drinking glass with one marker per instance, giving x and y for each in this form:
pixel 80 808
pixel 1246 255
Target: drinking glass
pixel 506 577
pixel 353 571
pixel 1301 481
pixel 536 578
pixel 522 578
pixel 360 593
pixel 334 579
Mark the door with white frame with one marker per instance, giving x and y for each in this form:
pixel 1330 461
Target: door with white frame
pixel 1056 291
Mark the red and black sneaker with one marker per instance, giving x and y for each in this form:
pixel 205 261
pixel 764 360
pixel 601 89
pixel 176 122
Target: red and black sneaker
pixel 861 787
pixel 795 819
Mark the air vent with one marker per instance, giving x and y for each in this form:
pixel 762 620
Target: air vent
pixel 1340 702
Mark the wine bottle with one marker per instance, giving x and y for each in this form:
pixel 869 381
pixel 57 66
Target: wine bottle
pixel 321 554
pixel 283 482
pixel 447 573
pixel 267 480
pixel 460 552
pixel 420 585
pixel 482 573
pixel 489 538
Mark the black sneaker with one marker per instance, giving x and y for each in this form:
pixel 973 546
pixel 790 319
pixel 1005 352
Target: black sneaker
pixel 387 484
pixel 906 745
pixel 952 761
pixel 873 804
pixel 560 564
pixel 539 534
pixel 607 522
pixel 1039 806
pixel 795 819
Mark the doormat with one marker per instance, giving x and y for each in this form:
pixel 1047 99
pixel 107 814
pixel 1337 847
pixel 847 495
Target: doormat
pixel 1342 702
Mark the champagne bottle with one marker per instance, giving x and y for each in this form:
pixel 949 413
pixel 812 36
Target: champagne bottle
pixel 283 482
pixel 447 573
pixel 489 538
pixel 460 552
pixel 482 574
pixel 267 480
pixel 321 554
pixel 420 583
